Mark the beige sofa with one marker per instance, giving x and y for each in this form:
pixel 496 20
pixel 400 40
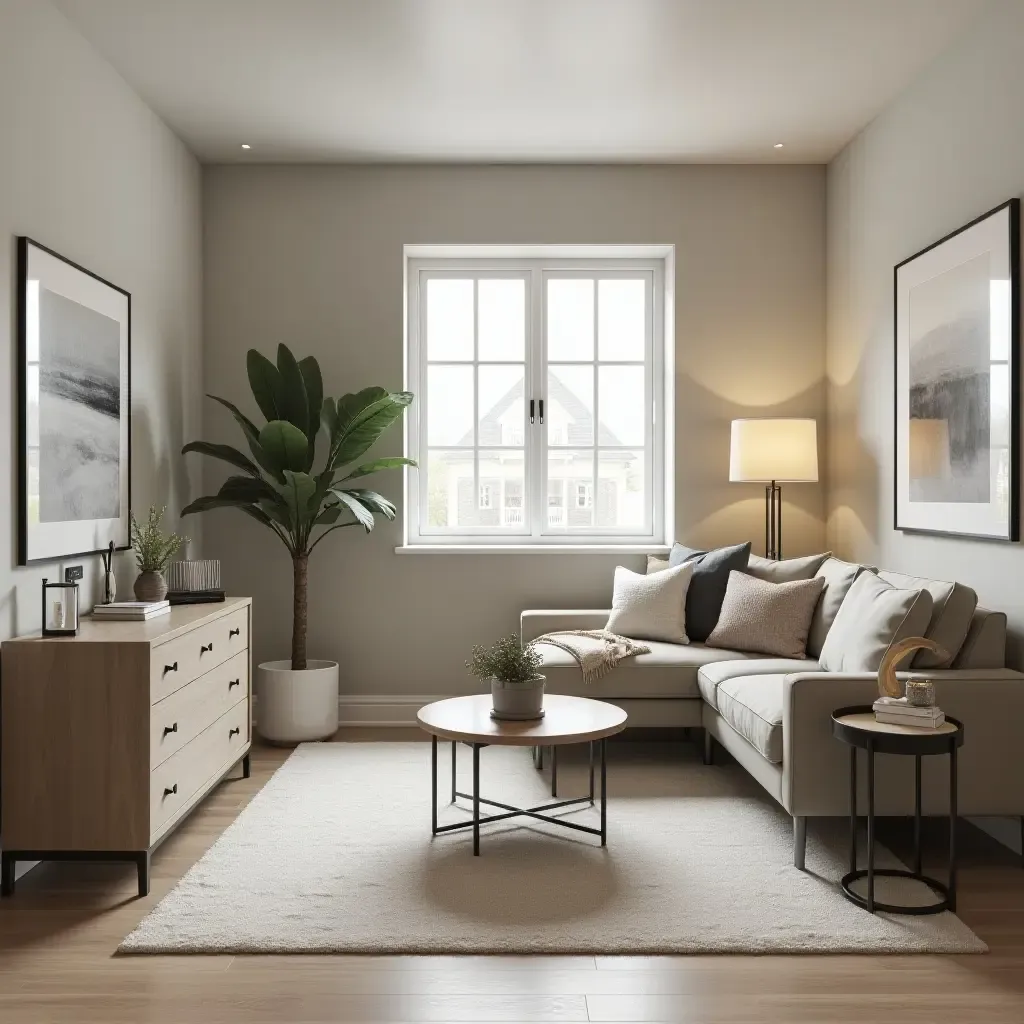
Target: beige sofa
pixel 773 715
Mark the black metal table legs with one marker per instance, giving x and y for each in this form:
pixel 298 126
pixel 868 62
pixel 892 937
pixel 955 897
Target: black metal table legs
pixel 511 811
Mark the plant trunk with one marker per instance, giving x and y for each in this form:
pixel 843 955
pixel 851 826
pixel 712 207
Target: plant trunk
pixel 300 565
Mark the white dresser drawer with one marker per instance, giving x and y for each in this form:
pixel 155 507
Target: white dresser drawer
pixel 174 783
pixel 179 718
pixel 179 661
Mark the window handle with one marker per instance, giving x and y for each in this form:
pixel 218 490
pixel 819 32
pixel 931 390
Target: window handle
pixel 532 418
pixel 542 410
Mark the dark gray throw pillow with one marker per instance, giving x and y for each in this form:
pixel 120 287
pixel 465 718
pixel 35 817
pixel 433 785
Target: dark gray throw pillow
pixel 709 582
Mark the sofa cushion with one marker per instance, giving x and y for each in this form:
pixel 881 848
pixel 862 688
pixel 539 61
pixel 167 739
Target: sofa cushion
pixel 651 607
pixel 769 618
pixel 670 670
pixel 838 576
pixel 752 705
pixel 953 608
pixel 873 616
pixel 785 570
pixel 710 677
pixel 707 588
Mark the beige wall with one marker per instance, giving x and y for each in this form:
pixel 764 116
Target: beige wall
pixel 313 256
pixel 87 170
pixel 950 148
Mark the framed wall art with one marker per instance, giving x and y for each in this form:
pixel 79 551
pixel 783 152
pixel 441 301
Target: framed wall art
pixel 74 350
pixel 957 401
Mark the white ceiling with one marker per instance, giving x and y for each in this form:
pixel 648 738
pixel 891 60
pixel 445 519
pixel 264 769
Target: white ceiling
pixel 519 80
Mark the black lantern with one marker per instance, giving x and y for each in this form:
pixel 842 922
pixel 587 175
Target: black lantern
pixel 60 609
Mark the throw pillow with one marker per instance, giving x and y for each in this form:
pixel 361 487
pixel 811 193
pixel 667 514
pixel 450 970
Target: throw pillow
pixel 656 564
pixel 766 618
pixel 838 576
pixel 650 607
pixel 786 570
pixel 873 616
pixel 710 578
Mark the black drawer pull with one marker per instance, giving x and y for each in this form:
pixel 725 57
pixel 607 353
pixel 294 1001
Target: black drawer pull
pixel 171 791
pixel 203 649
pixel 234 682
pixel 170 728
pixel 170 668
pixel 234 732
pixel 234 632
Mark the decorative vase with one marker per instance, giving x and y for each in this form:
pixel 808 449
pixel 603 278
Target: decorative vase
pixel 109 587
pixel 150 586
pixel 518 702
pixel 293 706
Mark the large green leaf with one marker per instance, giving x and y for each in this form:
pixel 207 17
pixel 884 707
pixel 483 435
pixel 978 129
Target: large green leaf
pixel 212 501
pixel 286 446
pixel 373 501
pixel 362 427
pixel 267 386
pixel 376 466
pixel 357 508
pixel 296 403
pixel 247 488
pixel 252 436
pixel 310 370
pixel 299 488
pixel 328 516
pixel 223 452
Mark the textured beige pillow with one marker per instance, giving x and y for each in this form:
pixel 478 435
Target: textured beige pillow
pixel 768 618
pixel 873 616
pixel 651 607
pixel 786 570
pixel 656 564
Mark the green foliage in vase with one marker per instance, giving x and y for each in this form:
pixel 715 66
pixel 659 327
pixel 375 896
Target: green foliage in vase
pixel 153 548
pixel 506 660
pixel 278 485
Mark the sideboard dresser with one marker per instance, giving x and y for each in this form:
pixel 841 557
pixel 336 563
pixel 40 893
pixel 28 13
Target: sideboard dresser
pixel 110 738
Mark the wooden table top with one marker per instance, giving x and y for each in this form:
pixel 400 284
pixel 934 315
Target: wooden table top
pixel 867 723
pixel 566 720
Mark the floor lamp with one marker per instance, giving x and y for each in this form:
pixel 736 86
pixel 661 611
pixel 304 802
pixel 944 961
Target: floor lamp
pixel 773 452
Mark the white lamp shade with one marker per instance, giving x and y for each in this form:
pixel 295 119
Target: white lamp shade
pixel 783 450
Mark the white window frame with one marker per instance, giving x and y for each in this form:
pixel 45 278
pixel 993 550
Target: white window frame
pixel 536 265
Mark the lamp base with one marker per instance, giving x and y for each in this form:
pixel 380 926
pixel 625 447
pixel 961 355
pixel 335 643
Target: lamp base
pixel 773 521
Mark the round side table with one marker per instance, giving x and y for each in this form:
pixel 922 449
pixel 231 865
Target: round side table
pixel 857 727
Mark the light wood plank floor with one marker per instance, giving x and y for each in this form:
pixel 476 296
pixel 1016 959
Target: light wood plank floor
pixel 58 934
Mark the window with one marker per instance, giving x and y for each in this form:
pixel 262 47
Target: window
pixel 540 389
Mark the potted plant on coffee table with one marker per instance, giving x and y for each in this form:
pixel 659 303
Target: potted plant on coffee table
pixel 517 690
pixel 279 488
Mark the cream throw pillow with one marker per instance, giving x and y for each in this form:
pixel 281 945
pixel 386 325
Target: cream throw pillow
pixel 656 564
pixel 650 607
pixel 766 618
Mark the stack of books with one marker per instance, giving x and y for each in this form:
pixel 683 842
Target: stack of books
pixel 896 711
pixel 135 611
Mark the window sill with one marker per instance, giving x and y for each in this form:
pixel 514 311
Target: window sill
pixel 533 549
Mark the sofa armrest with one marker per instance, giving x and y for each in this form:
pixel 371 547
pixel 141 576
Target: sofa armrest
pixel 816 766
pixel 533 624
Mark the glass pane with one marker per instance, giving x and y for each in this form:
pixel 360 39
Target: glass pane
pixel 621 319
pixel 570 319
pixel 450 405
pixel 501 406
pixel 501 500
pixel 621 405
pixel 569 409
pixel 620 501
pixel 449 481
pixel 502 320
pixel 570 497
pixel 449 319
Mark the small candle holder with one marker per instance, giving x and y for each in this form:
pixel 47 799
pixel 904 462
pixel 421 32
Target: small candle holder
pixel 60 609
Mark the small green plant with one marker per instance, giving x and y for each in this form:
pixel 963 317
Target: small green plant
pixel 506 660
pixel 153 549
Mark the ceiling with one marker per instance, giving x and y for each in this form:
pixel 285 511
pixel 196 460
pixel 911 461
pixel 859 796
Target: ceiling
pixel 519 80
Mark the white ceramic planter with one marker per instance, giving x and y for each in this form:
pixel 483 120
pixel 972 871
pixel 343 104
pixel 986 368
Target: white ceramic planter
pixel 518 702
pixel 292 707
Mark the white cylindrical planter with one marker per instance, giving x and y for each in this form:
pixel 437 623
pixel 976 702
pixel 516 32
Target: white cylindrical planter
pixel 295 706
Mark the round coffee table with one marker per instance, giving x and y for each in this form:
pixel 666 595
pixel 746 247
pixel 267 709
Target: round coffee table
pixel 566 720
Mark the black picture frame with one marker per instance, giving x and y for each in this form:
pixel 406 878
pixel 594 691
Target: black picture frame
pixel 999 521
pixel 81 537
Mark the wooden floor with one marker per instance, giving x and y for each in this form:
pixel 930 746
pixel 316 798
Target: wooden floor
pixel 59 932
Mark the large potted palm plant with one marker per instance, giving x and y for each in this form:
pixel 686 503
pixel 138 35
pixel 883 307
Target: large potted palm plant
pixel 278 487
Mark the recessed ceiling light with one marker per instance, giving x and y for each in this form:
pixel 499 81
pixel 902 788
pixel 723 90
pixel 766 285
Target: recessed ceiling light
pixel 778 145
pixel 245 145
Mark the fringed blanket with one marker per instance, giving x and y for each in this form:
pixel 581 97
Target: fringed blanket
pixel 596 650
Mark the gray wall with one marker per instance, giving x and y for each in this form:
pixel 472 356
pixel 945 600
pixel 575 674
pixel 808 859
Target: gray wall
pixel 89 171
pixel 313 256
pixel 950 148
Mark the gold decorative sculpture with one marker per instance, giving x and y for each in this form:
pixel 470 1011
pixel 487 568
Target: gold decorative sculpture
pixel 888 684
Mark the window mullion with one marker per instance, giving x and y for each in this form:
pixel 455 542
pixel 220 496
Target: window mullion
pixel 536 374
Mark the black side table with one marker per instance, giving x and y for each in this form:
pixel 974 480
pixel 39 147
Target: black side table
pixel 857 727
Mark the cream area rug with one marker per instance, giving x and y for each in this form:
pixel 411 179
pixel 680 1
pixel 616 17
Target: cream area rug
pixel 335 855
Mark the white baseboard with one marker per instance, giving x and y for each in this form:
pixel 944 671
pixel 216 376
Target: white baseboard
pixel 381 710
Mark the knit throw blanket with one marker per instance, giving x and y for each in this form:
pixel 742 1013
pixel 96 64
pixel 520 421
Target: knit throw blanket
pixel 596 651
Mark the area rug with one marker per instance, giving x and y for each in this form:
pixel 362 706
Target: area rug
pixel 335 855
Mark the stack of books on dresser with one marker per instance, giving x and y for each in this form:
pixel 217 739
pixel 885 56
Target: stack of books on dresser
pixel 896 711
pixel 132 611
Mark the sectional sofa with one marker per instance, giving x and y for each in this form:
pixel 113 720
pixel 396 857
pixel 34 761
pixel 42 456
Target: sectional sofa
pixel 773 715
